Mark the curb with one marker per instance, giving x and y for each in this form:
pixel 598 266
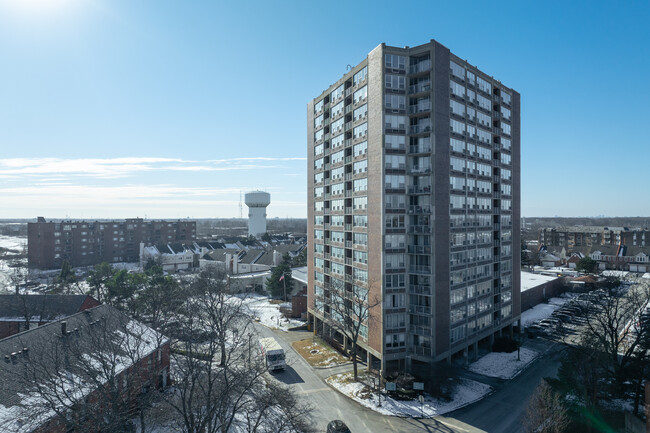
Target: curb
pixel 492 391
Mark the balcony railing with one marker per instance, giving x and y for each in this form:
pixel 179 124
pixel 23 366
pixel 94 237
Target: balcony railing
pixel 421 107
pixel 419 309
pixel 419 189
pixel 417 129
pixel 419 170
pixel 420 289
pixel 421 87
pixel 422 66
pixel 419 249
pixel 419 229
pixel 420 209
pixel 421 148
pixel 420 269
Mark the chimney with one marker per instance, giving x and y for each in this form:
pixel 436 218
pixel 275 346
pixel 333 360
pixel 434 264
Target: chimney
pixel 64 327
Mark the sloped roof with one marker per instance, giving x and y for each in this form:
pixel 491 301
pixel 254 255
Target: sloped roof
pixel 252 256
pixel 219 255
pixel 292 249
pixel 76 360
pixel 211 245
pixel 42 307
pixel 265 259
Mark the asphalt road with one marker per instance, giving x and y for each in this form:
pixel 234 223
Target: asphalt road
pixel 503 411
pixel 499 412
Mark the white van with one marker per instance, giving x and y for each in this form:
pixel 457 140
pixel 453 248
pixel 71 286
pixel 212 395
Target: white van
pixel 273 354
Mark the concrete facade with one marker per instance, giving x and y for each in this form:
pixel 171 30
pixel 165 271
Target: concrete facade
pixel 413 193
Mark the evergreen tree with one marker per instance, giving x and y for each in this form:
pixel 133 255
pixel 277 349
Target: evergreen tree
pixel 276 284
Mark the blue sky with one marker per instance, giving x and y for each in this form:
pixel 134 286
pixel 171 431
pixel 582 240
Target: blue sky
pixel 123 108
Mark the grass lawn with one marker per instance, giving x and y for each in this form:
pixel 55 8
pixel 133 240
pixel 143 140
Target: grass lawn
pixel 318 353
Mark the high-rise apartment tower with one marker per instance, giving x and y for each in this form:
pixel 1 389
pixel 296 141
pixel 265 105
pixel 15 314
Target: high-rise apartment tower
pixel 413 195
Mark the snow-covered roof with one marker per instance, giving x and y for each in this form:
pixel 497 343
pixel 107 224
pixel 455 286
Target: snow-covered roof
pixel 69 359
pixel 530 280
pixel 300 274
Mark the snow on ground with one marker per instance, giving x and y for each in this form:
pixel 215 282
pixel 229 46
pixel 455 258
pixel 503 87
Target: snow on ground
pixel 13 243
pixel 269 314
pixel 467 391
pixel 646 275
pixel 618 274
pixel 16 244
pixel 541 311
pixel 503 365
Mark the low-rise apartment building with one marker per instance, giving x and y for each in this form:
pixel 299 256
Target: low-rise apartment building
pixel 85 243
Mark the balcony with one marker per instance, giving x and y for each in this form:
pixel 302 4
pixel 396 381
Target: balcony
pixel 420 289
pixel 419 249
pixel 421 351
pixel 422 66
pixel 421 107
pixel 420 148
pixel 419 229
pixel 421 87
pixel 415 209
pixel 419 170
pixel 419 129
pixel 419 189
pixel 419 309
pixel 420 269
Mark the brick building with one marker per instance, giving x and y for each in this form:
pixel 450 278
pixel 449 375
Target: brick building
pixel 572 237
pixel 413 200
pixel 16 310
pixel 73 374
pixel 84 243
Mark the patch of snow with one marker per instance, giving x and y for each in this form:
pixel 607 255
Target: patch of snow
pixel 467 391
pixel 503 365
pixel 619 404
pixel 269 314
pixel 618 274
pixel 541 311
pixel 13 243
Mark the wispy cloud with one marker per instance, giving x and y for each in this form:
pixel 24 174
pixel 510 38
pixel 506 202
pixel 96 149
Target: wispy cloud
pixel 110 168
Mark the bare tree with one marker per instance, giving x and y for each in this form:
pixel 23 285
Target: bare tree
pixel 350 313
pixel 613 324
pixel 89 375
pixel 546 412
pixel 220 386
pixel 225 316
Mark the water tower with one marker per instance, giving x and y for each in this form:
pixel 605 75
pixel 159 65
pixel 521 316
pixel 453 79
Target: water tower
pixel 257 201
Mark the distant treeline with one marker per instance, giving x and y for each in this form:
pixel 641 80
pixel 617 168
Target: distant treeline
pixel 533 224
pixel 239 226
pixel 13 229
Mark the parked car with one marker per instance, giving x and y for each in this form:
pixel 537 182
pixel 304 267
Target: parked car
pixel 337 426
